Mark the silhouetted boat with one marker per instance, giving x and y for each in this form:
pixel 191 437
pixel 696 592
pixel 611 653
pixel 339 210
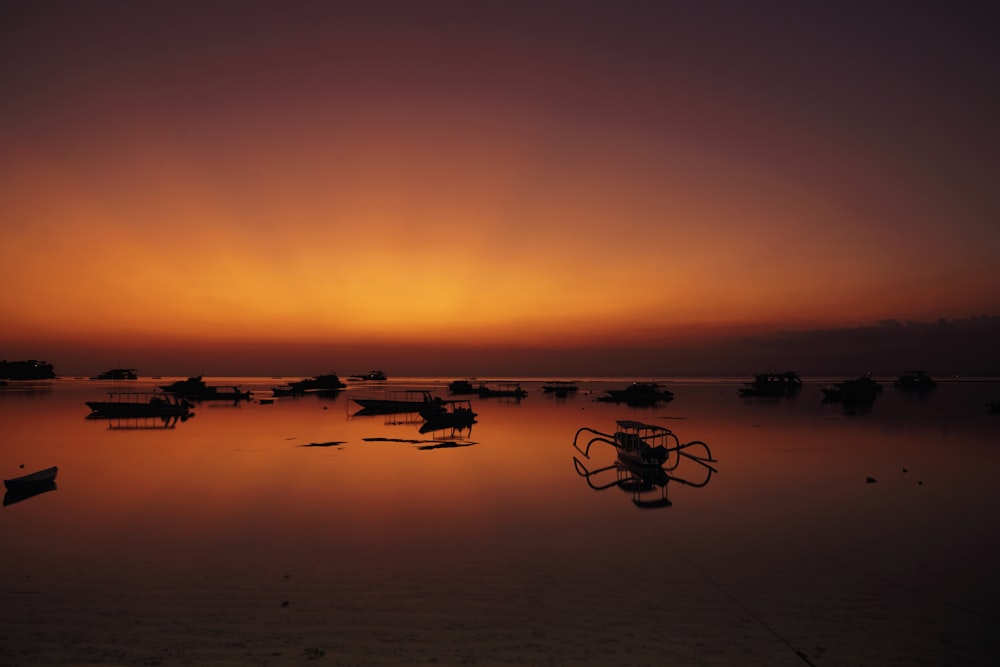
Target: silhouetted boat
pixel 117 374
pixel 460 387
pixel 915 381
pixel 772 385
pixel 328 382
pixel 141 404
pixel 409 400
pixel 560 388
pixel 30 369
pixel 447 414
pixel 32 480
pixel 993 407
pixel 503 389
pixel 376 375
pixel 647 458
pixel 638 394
pixel 195 389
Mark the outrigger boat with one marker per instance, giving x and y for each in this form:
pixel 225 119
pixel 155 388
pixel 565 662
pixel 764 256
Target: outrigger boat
pixel 560 388
pixel 409 400
pixel 502 390
pixel 140 404
pixel 453 414
pixel 647 455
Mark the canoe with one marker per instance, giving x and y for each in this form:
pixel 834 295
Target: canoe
pixel 35 479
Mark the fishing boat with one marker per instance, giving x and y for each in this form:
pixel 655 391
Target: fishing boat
pixel 327 382
pixel 396 402
pixel 502 390
pixel 455 414
pixel 638 394
pixel 117 374
pixel 30 369
pixel 460 387
pixel 647 458
pixel 33 480
pixel 195 389
pixel 772 385
pixel 140 404
pixel 560 388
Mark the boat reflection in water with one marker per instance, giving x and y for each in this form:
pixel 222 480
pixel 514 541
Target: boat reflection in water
pixel 28 486
pixel 140 410
pixel 647 460
pixel 455 416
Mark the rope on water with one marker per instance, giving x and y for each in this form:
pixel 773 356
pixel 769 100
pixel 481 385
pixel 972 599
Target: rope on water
pixel 802 655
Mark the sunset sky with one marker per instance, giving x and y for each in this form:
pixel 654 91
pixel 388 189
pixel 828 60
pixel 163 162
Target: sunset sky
pixel 232 182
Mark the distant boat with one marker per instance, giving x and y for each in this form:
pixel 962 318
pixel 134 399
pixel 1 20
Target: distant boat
pixel 993 407
pixel 560 388
pixel 33 480
pixel 772 385
pixel 30 369
pixel 195 389
pixel 454 414
pixel 460 387
pixel 117 374
pixel 918 381
pixel 327 382
pixel 140 404
pixel 409 400
pixel 376 376
pixel 503 389
pixel 638 394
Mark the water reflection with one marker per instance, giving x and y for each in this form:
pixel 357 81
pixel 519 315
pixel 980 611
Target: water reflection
pixel 17 495
pixel 30 485
pixel 647 460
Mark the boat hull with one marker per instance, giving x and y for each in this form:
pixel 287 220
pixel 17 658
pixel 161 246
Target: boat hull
pixel 35 480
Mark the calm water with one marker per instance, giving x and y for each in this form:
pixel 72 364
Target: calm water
pixel 786 556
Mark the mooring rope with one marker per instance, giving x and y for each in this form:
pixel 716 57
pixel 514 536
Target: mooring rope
pixel 802 655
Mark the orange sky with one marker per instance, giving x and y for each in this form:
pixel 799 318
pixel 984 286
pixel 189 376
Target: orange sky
pixel 510 174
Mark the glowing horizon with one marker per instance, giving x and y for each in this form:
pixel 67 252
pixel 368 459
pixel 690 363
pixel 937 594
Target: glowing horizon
pixel 434 186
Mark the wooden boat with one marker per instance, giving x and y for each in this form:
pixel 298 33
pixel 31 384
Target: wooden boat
pixel 503 389
pixel 30 369
pixel 140 404
pixel 327 382
pixel 117 374
pixel 195 389
pixel 455 414
pixel 638 394
pixel 40 478
pixel 409 400
pixel 560 388
pixel 460 387
pixel 647 457
pixel 772 385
